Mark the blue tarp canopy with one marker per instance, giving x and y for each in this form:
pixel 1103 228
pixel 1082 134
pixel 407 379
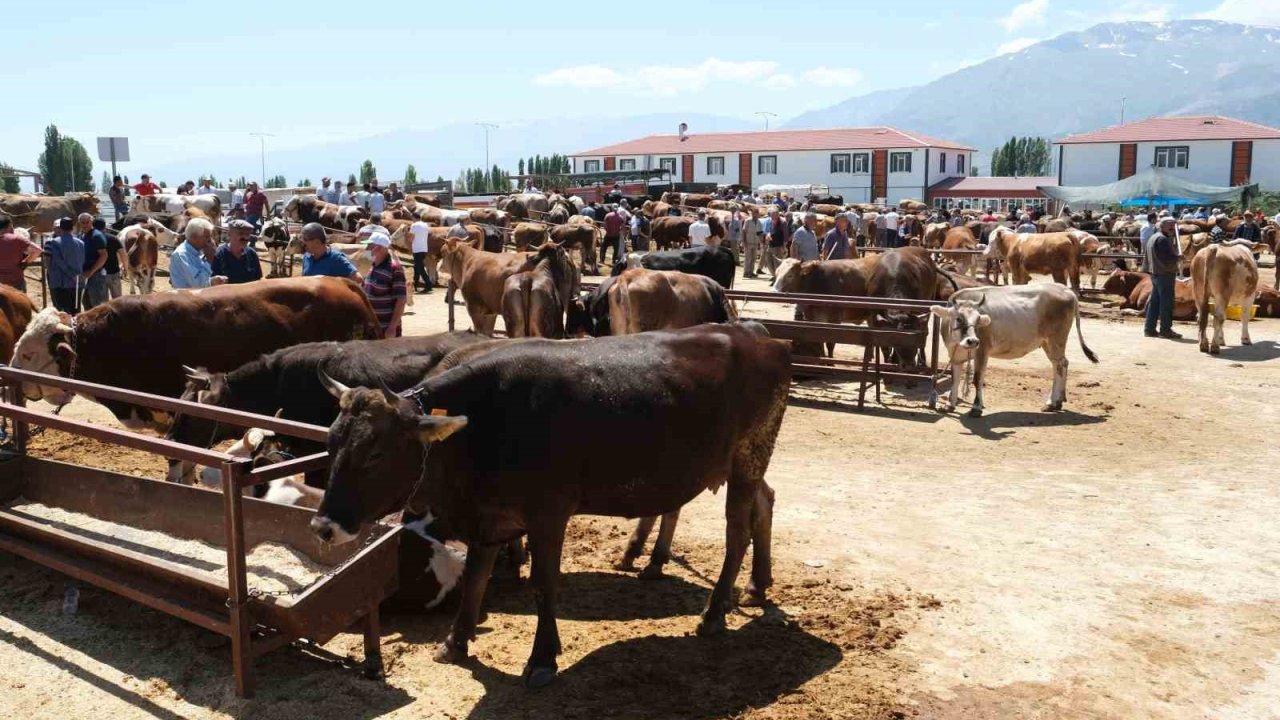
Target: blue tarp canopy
pixel 1153 186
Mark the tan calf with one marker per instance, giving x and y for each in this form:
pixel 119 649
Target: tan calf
pixel 482 277
pixel 1228 275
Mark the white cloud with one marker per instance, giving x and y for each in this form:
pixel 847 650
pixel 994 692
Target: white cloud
pixel 673 80
pixel 579 76
pixel 1248 12
pixel 1016 45
pixel 1028 13
pixel 780 81
pixel 1139 11
pixel 832 77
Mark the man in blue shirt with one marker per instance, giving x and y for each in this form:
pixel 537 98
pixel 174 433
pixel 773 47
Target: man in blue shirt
pixel 65 255
pixel 235 260
pixel 188 268
pixel 95 257
pixel 320 259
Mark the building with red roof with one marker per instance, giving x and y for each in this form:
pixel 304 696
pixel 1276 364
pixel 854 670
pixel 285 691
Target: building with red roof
pixel 862 164
pixel 1208 149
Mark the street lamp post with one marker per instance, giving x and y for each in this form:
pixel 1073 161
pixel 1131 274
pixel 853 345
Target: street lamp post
pixel 1122 109
pixel 487 127
pixel 262 147
pixel 766 116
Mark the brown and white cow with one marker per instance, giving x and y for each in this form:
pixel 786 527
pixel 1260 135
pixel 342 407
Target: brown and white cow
pixel 1136 287
pixel 309 208
pixel 210 204
pixel 1009 322
pixel 1227 274
pixel 139 254
pixel 1056 254
pixel 41 214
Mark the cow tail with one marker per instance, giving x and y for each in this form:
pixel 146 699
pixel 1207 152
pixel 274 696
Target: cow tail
pixel 1093 357
pixel 624 305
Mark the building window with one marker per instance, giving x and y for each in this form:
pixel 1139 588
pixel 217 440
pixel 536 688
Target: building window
pixel 1172 156
pixel 767 165
pixel 942 162
pixel 627 164
pixel 590 166
pixel 715 165
pixel 668 164
pixel 861 163
pixel 960 164
pixel 900 162
pixel 841 163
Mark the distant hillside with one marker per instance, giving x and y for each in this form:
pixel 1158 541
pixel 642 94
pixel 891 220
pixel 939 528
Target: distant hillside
pixel 1074 83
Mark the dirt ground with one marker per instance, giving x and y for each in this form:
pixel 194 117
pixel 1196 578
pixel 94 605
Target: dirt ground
pixel 1115 560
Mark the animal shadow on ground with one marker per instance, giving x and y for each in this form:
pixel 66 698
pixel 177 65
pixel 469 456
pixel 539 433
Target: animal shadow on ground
pixel 909 398
pixel 670 677
pixel 161 656
pixel 986 427
pixel 1257 352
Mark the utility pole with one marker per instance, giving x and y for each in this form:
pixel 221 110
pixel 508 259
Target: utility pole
pixel 487 127
pixel 262 147
pixel 1122 109
pixel 766 115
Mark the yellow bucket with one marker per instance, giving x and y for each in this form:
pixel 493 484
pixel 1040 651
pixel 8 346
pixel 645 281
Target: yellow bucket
pixel 1235 311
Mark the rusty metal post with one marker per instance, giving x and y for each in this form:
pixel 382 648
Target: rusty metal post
pixel 21 430
pixel 933 363
pixel 372 644
pixel 448 300
pixel 237 580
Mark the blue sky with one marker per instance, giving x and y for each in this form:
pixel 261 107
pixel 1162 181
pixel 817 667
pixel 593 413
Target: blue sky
pixel 186 80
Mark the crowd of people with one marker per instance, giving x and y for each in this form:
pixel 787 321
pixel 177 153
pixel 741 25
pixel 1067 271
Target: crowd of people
pixel 83 262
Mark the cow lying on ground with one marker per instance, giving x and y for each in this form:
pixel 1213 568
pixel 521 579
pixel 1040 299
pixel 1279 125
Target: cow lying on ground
pixel 140 342
pixel 1227 274
pixel 1007 323
pixel 497 471
pixel 534 299
pixel 713 261
pixel 1135 288
pixel 139 254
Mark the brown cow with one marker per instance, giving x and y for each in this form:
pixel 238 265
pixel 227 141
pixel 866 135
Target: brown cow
pixel 581 235
pixel 1227 274
pixel 142 342
pixel 1135 288
pixel 934 234
pixel 960 238
pixel 654 209
pixel 534 299
pixel 16 310
pixel 641 300
pixel 827 277
pixel 527 235
pixel 1267 302
pixel 481 276
pixel 41 214
pixel 490 216
pixel 139 254
pixel 1056 254
pixel 669 232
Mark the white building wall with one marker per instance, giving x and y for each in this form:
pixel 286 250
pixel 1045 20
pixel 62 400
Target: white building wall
pixel 1266 164
pixel 1091 164
pixel 1208 161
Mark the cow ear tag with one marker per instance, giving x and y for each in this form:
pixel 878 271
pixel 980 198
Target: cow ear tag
pixel 439 411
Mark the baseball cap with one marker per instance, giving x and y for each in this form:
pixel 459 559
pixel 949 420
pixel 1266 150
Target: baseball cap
pixel 240 225
pixel 379 239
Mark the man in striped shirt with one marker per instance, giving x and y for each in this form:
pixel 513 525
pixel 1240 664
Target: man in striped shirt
pixel 385 286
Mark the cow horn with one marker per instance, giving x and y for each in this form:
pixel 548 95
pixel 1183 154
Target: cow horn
pixel 334 387
pixel 391 395
pixel 64 329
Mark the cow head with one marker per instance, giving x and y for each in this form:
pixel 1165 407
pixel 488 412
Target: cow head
pixel 377 447
pixel 961 320
pixel 47 346
pixel 788 278
pixel 262 447
pixel 205 388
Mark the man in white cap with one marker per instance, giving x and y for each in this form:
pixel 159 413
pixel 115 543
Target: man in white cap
pixel 385 286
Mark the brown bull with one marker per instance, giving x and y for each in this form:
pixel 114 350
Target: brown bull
pixel 669 232
pixel 528 234
pixel 534 299
pixel 1135 289
pixel 582 236
pixel 1056 254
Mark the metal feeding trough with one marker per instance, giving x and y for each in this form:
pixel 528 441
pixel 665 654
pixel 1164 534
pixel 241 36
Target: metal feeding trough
pixel 355 577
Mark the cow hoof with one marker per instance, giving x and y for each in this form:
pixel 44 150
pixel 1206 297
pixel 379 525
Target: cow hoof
pixel 446 653
pixel 975 413
pixel 753 598
pixel 538 677
pixel 1204 348
pixel 1215 349
pixel 948 408
pixel 651 571
pixel 1246 341
pixel 625 565
pixel 710 627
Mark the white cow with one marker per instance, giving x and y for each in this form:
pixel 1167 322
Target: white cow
pixel 257 443
pixel 1228 275
pixel 1008 322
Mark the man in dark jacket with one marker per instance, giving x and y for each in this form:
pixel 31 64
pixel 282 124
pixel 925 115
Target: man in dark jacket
pixel 1163 260
pixel 1248 230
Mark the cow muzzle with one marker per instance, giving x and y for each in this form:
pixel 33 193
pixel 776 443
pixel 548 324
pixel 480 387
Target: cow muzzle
pixel 969 343
pixel 329 531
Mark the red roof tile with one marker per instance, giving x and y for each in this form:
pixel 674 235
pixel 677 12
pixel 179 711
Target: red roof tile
pixel 872 138
pixel 1191 127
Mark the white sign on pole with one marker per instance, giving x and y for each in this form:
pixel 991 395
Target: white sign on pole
pixel 113 149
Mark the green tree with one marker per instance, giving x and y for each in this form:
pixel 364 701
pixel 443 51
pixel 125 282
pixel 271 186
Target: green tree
pixel 367 172
pixel 1024 157
pixel 305 182
pixel 351 178
pixel 410 175
pixel 277 181
pixel 439 178
pixel 520 167
pixel 460 185
pixel 163 184
pixel 64 163
pixel 8 183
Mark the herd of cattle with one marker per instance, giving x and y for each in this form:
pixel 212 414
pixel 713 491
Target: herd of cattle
pixel 667 357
